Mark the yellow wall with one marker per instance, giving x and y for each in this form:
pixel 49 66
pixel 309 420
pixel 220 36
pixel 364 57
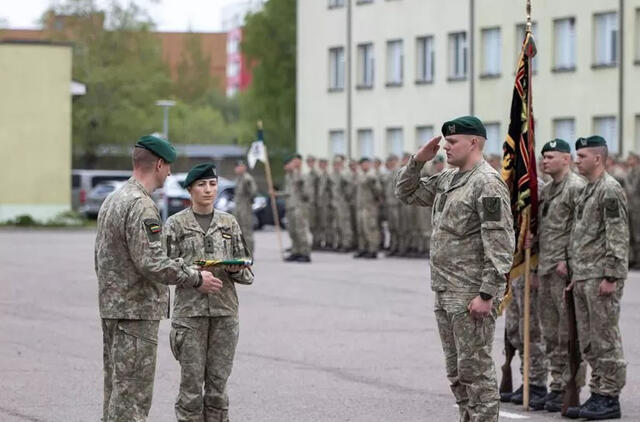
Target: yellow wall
pixel 35 129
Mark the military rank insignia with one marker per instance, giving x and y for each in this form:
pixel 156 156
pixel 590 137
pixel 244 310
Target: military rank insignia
pixel 208 244
pixel 492 210
pixel 153 229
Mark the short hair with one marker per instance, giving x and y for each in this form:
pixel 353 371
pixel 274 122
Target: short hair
pixel 602 151
pixel 143 159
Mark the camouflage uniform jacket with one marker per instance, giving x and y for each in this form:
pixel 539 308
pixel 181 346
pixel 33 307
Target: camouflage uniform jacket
pixel 339 188
pixel 325 183
pixel 390 187
pixel 557 203
pixel 132 267
pixel 473 238
pixel 311 181
pixel 295 192
pixel 245 191
pixel 368 190
pixel 223 240
pixel 600 236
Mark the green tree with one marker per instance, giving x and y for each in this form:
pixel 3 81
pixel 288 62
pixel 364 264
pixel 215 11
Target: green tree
pixel 269 43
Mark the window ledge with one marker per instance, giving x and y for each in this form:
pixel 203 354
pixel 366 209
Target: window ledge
pixel 364 87
pixel 335 6
pixel 456 78
pixel 603 65
pixel 424 81
pixel 490 75
pixel 359 2
pixel 335 90
pixel 393 84
pixel 563 69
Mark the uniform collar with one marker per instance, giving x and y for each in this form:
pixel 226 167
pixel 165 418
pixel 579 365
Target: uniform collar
pixel 193 223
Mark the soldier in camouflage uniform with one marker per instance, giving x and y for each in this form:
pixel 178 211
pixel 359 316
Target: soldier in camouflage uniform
pixel 407 221
pixel 599 260
pixel 311 191
pixel 557 202
pixel 368 195
pixel 325 211
pixel 297 210
pixel 632 187
pixel 340 194
pixel 133 274
pixel 352 178
pixel 393 205
pixel 245 191
pixel 471 252
pixel 204 327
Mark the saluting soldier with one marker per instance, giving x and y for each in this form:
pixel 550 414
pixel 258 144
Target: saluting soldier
pixel 599 263
pixel 245 192
pixel 311 188
pixel 205 327
pixel 325 212
pixel 368 195
pixel 471 252
pixel 340 194
pixel 297 210
pixel 133 276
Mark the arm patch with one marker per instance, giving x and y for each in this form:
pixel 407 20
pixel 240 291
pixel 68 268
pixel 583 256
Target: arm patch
pixel 153 228
pixel 492 209
pixel 611 208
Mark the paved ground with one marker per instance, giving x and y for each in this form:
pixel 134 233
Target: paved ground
pixel 337 340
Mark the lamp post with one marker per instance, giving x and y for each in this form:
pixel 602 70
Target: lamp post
pixel 166 105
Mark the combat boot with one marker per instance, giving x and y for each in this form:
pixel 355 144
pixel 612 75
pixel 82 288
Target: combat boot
pixel 536 392
pixel 370 255
pixel 606 408
pixel 555 404
pixel 360 254
pixel 292 258
pixel 303 258
pixel 574 412
pixel 539 403
pixel 506 397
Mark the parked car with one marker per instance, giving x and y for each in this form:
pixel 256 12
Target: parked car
pixel 97 195
pixel 83 181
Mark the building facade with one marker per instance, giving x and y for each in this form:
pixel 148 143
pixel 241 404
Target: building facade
pixel 381 76
pixel 35 129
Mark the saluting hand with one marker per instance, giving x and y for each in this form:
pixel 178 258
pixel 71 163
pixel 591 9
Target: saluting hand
pixel 210 283
pixel 429 150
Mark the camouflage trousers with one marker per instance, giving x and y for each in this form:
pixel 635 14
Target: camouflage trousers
pixel 368 230
pixel 555 331
pixel 407 227
pixel 467 345
pixel 422 233
pixel 129 357
pixel 599 335
pixel 244 216
pixel 298 228
pixel 314 227
pixel 393 226
pixel 341 224
pixel 205 348
pixel 514 324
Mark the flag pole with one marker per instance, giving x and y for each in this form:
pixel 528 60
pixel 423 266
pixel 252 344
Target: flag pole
pixel 272 195
pixel 527 252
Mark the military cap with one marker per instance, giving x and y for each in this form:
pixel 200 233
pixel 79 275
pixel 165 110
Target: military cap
pixel 240 163
pixel 466 125
pixel 158 146
pixel 291 157
pixel 201 171
pixel 591 141
pixel 323 160
pixel 364 160
pixel 557 144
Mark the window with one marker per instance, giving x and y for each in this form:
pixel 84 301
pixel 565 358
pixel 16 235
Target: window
pixel 458 55
pixel 395 60
pixel 395 141
pixel 491 51
pixel 565 129
pixel 337 145
pixel 425 59
pixel 638 35
pixel 565 44
pixel 520 33
pixel 365 143
pixel 336 69
pixel 336 3
pixel 423 135
pixel 605 39
pixel 607 127
pixel 365 65
pixel 494 139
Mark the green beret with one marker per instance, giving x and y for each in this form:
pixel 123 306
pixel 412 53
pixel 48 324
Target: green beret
pixel 591 141
pixel 466 125
pixel 557 144
pixel 291 157
pixel 201 171
pixel 158 146
pixel 364 160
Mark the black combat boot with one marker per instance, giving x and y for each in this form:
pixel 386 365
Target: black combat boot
pixel 292 258
pixel 606 408
pixel 303 258
pixel 371 255
pixel 536 392
pixel 540 403
pixel 574 412
pixel 555 404
pixel 360 254
pixel 506 397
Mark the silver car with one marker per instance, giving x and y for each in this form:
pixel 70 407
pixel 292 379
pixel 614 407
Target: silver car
pixel 97 195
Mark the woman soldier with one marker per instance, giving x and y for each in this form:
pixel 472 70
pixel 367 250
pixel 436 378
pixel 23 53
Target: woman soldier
pixel 204 327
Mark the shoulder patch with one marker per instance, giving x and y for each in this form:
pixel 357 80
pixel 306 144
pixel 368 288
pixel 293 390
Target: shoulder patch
pixel 153 228
pixel 611 208
pixel 492 209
